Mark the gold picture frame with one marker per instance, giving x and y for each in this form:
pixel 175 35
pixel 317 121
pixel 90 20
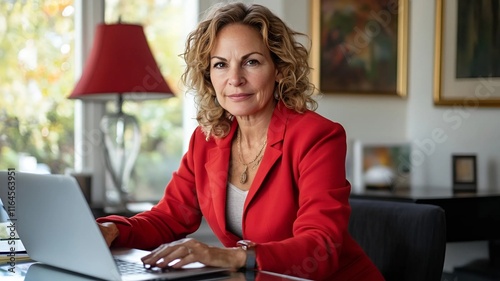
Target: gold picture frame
pixel 458 73
pixel 385 47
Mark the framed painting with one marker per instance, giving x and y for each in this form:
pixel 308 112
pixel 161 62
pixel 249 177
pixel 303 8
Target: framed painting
pixel 467 57
pixel 381 165
pixel 464 173
pixel 360 47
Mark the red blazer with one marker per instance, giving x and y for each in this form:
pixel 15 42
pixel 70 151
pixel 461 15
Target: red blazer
pixel 297 208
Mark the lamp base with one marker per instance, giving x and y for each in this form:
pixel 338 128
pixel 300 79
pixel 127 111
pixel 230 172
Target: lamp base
pixel 122 140
pixel 115 203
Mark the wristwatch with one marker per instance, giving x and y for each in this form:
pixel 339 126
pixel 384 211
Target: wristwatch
pixel 249 247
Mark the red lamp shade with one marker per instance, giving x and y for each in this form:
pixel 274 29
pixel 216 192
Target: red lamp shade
pixel 121 63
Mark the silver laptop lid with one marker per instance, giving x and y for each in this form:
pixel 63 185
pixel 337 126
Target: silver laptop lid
pixel 55 229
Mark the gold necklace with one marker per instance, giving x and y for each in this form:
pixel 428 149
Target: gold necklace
pixel 257 159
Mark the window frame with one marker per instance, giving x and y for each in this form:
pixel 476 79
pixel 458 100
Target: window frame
pixel 88 144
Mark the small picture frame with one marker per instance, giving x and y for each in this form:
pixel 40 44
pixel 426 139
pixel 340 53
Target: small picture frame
pixel 464 173
pixel 380 165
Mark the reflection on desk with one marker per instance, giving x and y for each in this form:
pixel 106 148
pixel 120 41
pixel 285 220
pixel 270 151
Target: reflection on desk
pixel 469 216
pixel 42 272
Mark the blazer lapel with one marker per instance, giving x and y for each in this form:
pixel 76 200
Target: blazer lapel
pixel 217 168
pixel 275 135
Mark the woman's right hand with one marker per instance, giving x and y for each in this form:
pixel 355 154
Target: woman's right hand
pixel 109 231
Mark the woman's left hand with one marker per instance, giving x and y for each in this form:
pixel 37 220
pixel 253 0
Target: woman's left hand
pixel 189 250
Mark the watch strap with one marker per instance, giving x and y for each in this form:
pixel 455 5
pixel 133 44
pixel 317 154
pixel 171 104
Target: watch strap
pixel 249 247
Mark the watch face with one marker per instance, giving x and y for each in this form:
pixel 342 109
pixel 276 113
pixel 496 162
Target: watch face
pixel 245 243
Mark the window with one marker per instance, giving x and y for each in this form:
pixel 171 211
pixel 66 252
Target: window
pixel 36 66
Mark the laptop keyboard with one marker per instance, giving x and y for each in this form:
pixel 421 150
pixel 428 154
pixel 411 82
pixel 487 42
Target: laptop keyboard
pixel 127 268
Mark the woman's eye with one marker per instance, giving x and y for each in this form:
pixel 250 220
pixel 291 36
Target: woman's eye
pixel 252 62
pixel 218 65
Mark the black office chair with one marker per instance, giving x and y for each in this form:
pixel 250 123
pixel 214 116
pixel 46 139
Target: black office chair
pixel 406 241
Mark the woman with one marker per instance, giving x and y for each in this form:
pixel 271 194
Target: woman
pixel 262 166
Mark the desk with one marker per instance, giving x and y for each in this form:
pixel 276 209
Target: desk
pixel 41 272
pixel 469 216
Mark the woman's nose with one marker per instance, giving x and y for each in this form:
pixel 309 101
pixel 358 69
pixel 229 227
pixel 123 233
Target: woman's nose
pixel 236 77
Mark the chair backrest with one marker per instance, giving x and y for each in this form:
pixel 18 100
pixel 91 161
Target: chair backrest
pixel 406 241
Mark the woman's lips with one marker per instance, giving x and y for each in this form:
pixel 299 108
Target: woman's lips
pixel 239 97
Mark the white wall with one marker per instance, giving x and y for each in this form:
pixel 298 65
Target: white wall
pixel 468 129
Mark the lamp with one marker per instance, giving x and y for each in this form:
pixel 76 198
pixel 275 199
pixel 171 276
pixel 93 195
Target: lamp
pixel 120 66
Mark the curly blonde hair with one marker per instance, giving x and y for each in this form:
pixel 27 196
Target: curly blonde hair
pixel 289 56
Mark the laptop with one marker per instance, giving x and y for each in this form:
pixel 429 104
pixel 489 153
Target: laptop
pixel 57 228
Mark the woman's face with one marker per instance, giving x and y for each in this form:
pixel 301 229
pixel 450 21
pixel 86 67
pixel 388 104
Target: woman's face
pixel 242 71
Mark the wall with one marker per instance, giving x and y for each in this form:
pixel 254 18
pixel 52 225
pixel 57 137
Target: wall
pixel 475 130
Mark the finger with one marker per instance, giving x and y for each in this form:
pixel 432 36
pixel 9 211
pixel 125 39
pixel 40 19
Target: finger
pixel 162 256
pixel 170 245
pixel 155 255
pixel 174 257
pixel 166 253
pixel 151 254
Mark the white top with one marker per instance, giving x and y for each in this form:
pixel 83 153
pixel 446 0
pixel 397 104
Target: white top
pixel 234 209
